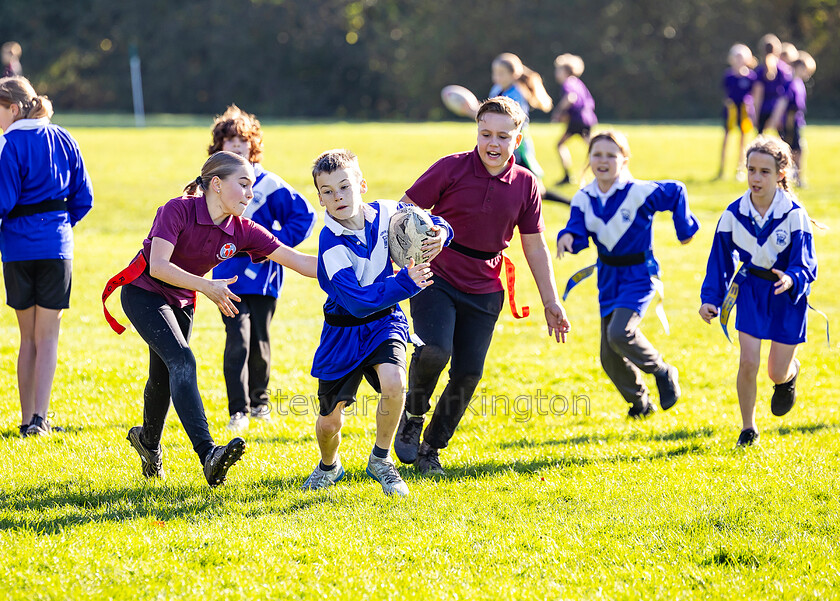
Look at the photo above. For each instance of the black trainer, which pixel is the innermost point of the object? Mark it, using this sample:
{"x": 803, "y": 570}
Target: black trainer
{"x": 39, "y": 426}
{"x": 784, "y": 395}
{"x": 407, "y": 440}
{"x": 23, "y": 428}
{"x": 669, "y": 387}
{"x": 428, "y": 461}
{"x": 220, "y": 460}
{"x": 746, "y": 438}
{"x": 641, "y": 411}
{"x": 151, "y": 461}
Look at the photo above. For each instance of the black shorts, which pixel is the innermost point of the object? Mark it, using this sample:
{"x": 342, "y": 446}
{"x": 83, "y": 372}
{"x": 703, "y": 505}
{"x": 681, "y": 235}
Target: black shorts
{"x": 578, "y": 128}
{"x": 41, "y": 282}
{"x": 332, "y": 392}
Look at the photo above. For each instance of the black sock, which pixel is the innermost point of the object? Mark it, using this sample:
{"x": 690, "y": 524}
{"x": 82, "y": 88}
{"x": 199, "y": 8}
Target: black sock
{"x": 326, "y": 468}
{"x": 380, "y": 452}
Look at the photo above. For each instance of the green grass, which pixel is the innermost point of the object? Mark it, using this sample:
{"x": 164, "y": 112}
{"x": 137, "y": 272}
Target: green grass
{"x": 535, "y": 506}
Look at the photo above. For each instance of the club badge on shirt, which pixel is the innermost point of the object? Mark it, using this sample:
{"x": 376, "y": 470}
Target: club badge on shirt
{"x": 227, "y": 251}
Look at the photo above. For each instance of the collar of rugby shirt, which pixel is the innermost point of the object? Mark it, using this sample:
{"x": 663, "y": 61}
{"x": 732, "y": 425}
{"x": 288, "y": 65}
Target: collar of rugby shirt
{"x": 592, "y": 189}
{"x": 480, "y": 170}
{"x": 339, "y": 230}
{"x": 202, "y": 216}
{"x": 28, "y": 124}
{"x": 780, "y": 205}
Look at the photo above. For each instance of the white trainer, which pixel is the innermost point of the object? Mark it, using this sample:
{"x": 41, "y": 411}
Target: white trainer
{"x": 238, "y": 422}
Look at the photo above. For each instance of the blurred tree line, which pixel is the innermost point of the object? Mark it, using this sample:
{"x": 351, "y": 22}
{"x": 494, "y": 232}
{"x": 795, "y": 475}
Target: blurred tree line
{"x": 368, "y": 59}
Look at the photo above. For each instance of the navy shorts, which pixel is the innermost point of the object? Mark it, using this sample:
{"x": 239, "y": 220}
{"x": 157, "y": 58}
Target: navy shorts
{"x": 41, "y": 282}
{"x": 332, "y": 392}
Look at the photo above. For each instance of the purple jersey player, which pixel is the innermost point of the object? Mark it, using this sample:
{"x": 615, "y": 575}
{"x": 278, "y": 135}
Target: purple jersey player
{"x": 738, "y": 110}
{"x": 576, "y": 107}
{"x": 793, "y": 124}
{"x": 773, "y": 77}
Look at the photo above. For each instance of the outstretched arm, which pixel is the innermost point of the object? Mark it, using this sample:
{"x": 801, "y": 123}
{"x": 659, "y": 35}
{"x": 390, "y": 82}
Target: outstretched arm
{"x": 539, "y": 261}
{"x": 302, "y": 263}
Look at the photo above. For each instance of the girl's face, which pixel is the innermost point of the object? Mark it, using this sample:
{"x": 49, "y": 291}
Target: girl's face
{"x": 502, "y": 76}
{"x": 762, "y": 177}
{"x": 8, "y": 115}
{"x": 238, "y": 145}
{"x": 236, "y": 190}
{"x": 737, "y": 61}
{"x": 561, "y": 74}
{"x": 607, "y": 161}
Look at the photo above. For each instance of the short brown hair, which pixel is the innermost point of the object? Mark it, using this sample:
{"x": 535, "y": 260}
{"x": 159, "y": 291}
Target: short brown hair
{"x": 236, "y": 122}
{"x": 502, "y": 105}
{"x": 333, "y": 160}
{"x": 17, "y": 90}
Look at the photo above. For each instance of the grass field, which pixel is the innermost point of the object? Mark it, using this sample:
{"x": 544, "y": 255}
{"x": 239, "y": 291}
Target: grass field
{"x": 574, "y": 504}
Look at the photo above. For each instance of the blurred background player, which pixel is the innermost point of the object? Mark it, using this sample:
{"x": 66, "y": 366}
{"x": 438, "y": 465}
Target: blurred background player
{"x": 770, "y": 232}
{"x": 576, "y": 108}
{"x": 793, "y": 123}
{"x": 773, "y": 78}
{"x": 738, "y": 109}
{"x": 44, "y": 191}
{"x": 288, "y": 215}
{"x": 514, "y": 80}
{"x": 10, "y": 54}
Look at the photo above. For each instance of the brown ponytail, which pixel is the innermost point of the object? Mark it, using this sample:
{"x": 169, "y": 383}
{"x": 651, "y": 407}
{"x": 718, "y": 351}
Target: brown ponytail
{"x": 18, "y": 91}
{"x": 529, "y": 82}
{"x": 220, "y": 164}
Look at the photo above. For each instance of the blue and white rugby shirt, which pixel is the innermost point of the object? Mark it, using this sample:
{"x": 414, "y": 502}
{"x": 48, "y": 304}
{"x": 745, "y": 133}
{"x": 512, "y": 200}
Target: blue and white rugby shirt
{"x": 782, "y": 240}
{"x": 40, "y": 161}
{"x": 620, "y": 223}
{"x": 357, "y": 274}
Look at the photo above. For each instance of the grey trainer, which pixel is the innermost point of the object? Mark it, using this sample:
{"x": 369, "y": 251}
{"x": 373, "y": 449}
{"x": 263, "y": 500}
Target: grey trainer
{"x": 151, "y": 461}
{"x": 319, "y": 479}
{"x": 385, "y": 472}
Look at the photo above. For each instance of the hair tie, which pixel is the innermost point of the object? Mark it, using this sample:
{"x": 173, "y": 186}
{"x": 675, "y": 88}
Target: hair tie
{"x": 198, "y": 182}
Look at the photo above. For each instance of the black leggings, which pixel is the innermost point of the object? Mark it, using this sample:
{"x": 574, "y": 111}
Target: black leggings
{"x": 172, "y": 371}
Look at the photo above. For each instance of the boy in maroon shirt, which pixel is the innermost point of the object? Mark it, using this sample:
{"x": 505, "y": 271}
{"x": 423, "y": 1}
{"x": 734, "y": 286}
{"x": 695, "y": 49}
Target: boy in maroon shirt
{"x": 483, "y": 195}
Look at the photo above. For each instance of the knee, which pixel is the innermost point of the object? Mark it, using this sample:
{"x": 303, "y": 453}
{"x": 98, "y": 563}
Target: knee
{"x": 778, "y": 373}
{"x": 182, "y": 365}
{"x": 392, "y": 381}
{"x": 431, "y": 357}
{"x": 466, "y": 382}
{"x": 748, "y": 367}
{"x": 618, "y": 336}
{"x": 330, "y": 425}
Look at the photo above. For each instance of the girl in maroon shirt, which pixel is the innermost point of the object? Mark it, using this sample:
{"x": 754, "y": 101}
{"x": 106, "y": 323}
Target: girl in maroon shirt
{"x": 191, "y": 235}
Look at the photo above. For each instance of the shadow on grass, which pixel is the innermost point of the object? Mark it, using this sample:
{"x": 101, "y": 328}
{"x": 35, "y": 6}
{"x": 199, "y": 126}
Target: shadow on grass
{"x": 596, "y": 438}
{"x": 785, "y": 430}
{"x": 55, "y": 507}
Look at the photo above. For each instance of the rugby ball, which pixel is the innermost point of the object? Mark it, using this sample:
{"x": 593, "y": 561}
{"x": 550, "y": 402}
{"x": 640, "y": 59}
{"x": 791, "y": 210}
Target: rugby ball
{"x": 408, "y": 229}
{"x": 459, "y": 100}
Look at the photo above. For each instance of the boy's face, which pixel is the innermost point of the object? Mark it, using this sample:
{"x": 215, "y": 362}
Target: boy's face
{"x": 340, "y": 193}
{"x": 561, "y": 74}
{"x": 238, "y": 145}
{"x": 498, "y": 137}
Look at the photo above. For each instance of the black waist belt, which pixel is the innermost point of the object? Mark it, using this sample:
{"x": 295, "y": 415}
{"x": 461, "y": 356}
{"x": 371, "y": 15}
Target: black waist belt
{"x": 471, "y": 252}
{"x": 622, "y": 260}
{"x": 764, "y": 274}
{"x": 45, "y": 206}
{"x": 348, "y": 321}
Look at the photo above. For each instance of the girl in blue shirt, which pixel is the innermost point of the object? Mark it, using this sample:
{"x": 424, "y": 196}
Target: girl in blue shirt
{"x": 770, "y": 233}
{"x": 44, "y": 191}
{"x": 617, "y": 211}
